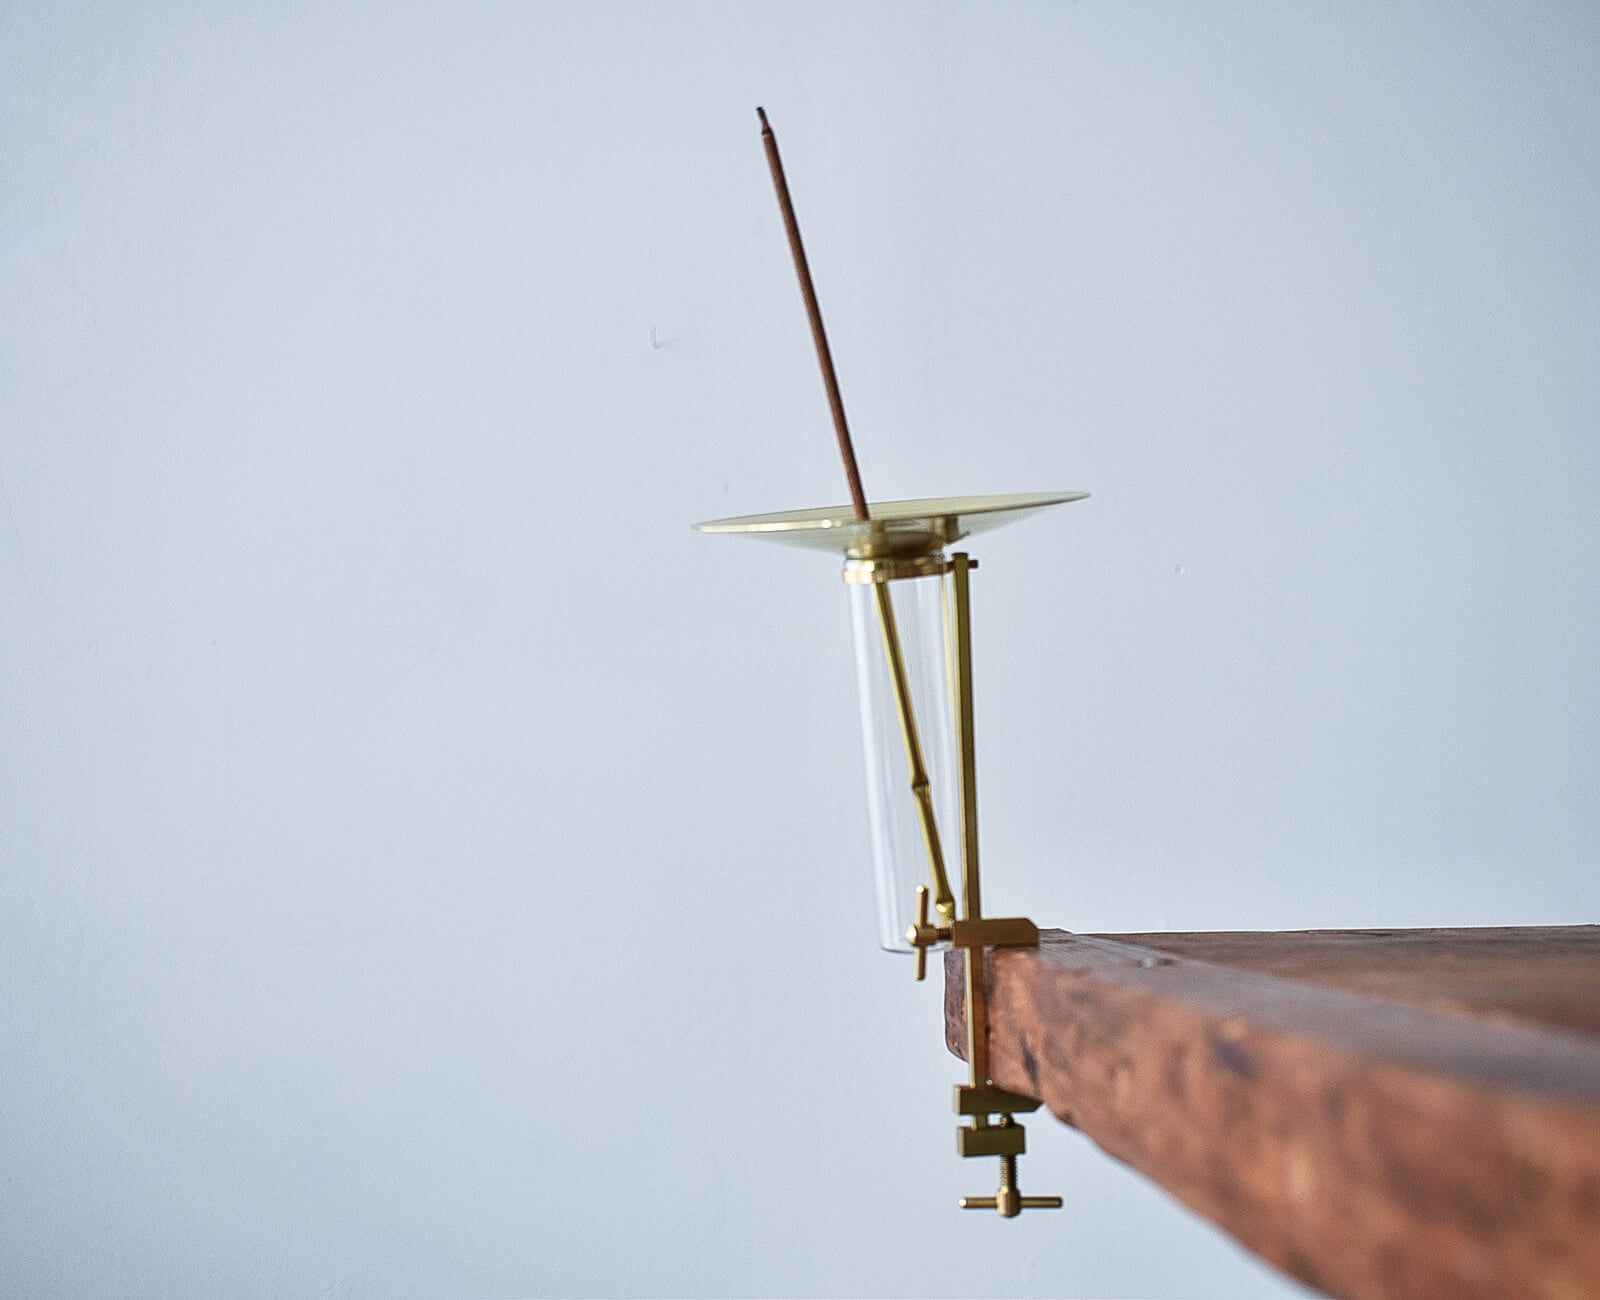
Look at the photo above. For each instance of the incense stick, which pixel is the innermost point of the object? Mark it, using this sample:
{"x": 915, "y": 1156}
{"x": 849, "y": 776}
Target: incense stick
{"x": 920, "y": 788}
{"x": 819, "y": 335}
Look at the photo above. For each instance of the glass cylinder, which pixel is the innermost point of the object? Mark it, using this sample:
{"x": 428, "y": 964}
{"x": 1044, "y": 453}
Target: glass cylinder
{"x": 916, "y": 622}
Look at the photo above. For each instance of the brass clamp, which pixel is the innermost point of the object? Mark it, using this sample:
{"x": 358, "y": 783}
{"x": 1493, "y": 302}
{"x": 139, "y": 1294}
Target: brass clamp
{"x": 1005, "y": 1139}
{"x": 1008, "y": 1198}
{"x": 981, "y": 932}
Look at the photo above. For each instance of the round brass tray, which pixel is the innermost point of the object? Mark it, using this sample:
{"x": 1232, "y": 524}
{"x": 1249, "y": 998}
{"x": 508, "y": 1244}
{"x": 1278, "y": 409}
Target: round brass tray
{"x": 896, "y": 528}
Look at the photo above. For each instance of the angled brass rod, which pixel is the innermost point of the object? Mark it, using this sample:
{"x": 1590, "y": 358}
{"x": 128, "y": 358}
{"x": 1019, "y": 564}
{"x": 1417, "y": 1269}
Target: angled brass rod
{"x": 942, "y": 897}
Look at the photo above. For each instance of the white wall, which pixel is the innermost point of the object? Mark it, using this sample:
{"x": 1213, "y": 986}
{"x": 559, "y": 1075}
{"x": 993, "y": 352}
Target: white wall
{"x": 429, "y": 868}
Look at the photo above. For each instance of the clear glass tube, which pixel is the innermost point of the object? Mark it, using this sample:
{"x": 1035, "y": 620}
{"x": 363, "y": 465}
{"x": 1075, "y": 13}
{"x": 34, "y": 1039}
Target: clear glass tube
{"x": 899, "y": 843}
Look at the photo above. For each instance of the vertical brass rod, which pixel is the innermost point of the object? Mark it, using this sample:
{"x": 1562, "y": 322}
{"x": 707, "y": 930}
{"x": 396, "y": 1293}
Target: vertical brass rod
{"x": 977, "y": 1016}
{"x": 943, "y": 899}
{"x": 971, "y": 897}
{"x": 819, "y": 335}
{"x": 972, "y": 903}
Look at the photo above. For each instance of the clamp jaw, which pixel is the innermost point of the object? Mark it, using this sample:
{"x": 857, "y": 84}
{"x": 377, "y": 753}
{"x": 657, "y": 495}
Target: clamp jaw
{"x": 980, "y": 1099}
{"x": 1006, "y": 1140}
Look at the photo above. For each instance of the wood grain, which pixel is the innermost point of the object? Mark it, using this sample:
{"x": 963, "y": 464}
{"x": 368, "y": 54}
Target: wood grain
{"x": 1378, "y": 1113}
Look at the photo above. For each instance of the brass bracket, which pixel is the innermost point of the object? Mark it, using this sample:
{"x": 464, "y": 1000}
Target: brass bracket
{"x": 994, "y": 932}
{"x": 974, "y": 933}
{"x": 978, "y": 932}
{"x": 987, "y": 1099}
{"x": 991, "y": 1140}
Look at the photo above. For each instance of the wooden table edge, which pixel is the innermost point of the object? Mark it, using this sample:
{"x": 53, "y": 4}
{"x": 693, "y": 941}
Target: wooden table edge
{"x": 1365, "y": 1147}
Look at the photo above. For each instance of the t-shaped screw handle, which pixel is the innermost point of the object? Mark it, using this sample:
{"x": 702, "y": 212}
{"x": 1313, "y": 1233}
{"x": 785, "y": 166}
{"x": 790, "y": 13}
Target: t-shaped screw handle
{"x": 922, "y": 935}
{"x": 1009, "y": 1200}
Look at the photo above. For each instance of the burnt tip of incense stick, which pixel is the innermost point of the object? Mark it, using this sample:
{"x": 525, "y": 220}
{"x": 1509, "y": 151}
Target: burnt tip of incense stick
{"x": 819, "y": 335}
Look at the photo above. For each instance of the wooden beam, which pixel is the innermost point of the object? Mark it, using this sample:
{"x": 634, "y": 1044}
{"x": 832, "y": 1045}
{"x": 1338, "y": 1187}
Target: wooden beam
{"x": 1378, "y": 1112}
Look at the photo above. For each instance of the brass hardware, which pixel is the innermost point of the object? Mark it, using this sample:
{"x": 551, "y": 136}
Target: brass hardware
{"x": 989, "y": 1100}
{"x": 974, "y": 934}
{"x": 906, "y": 539}
{"x": 995, "y": 932}
{"x": 961, "y": 616}
{"x": 1009, "y": 1199}
{"x": 942, "y": 898}
{"x": 996, "y": 1140}
{"x": 917, "y": 527}
{"x": 923, "y": 936}
{"x": 888, "y": 570}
